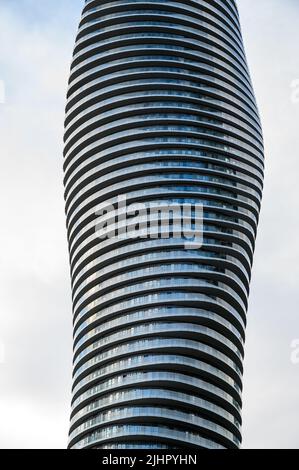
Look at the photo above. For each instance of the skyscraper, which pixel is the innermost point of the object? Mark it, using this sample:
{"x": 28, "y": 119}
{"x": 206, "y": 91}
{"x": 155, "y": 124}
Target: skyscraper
{"x": 160, "y": 113}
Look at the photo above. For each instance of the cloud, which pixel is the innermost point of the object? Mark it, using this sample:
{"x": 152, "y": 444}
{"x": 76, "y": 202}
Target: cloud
{"x": 36, "y": 41}
{"x": 271, "y": 381}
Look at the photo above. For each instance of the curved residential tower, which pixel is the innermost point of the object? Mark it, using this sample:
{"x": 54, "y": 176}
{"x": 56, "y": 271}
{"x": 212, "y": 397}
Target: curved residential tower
{"x": 163, "y": 184}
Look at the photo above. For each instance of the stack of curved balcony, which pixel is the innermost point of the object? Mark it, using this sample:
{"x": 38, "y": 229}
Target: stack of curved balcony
{"x": 160, "y": 109}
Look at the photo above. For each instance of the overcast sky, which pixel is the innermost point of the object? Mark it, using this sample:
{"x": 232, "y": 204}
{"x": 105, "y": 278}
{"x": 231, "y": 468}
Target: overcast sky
{"x": 36, "y": 41}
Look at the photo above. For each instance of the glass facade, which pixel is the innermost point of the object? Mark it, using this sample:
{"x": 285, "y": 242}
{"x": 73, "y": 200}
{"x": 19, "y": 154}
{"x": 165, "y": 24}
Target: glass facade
{"x": 160, "y": 109}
